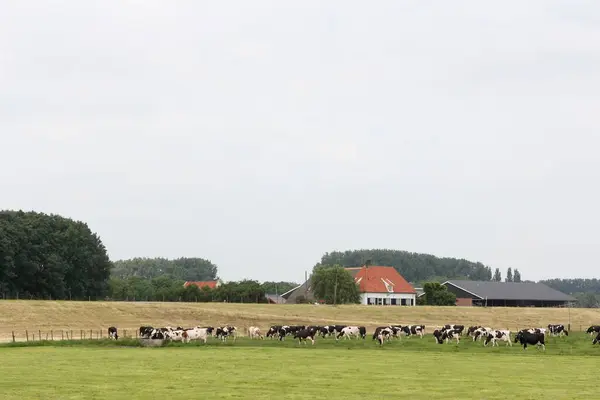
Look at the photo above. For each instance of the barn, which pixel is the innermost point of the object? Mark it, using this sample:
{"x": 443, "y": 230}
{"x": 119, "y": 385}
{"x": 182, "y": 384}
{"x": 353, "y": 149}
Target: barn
{"x": 506, "y": 294}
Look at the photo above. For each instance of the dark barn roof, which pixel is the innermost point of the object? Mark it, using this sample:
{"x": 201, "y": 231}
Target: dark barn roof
{"x": 510, "y": 290}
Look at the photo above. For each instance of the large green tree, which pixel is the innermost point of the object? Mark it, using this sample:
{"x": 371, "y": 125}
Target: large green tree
{"x": 187, "y": 269}
{"x": 517, "y": 276}
{"x": 437, "y": 294}
{"x": 509, "y": 275}
{"x": 414, "y": 267}
{"x": 497, "y": 275}
{"x": 50, "y": 257}
{"x": 334, "y": 285}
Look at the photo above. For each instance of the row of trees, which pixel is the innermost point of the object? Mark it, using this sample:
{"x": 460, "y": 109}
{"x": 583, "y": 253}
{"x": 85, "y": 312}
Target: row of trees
{"x": 509, "y": 276}
{"x": 165, "y": 288}
{"x": 187, "y": 269}
{"x": 49, "y": 256}
{"x": 414, "y": 267}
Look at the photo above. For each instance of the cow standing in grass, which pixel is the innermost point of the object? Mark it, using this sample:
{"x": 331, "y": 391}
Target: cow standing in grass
{"x": 304, "y": 334}
{"x": 495, "y": 335}
{"x": 112, "y": 333}
{"x": 254, "y": 332}
{"x": 593, "y": 330}
{"x": 348, "y": 331}
{"x": 597, "y": 339}
{"x": 196, "y": 333}
{"x": 146, "y": 331}
{"x": 525, "y": 337}
{"x": 557, "y": 330}
{"x": 411, "y": 330}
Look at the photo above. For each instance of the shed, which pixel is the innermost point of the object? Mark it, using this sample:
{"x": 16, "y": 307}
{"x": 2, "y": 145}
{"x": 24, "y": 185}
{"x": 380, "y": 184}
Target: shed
{"x": 506, "y": 294}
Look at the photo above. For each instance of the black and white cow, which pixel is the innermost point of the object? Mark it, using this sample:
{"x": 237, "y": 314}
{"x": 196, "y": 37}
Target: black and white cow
{"x": 146, "y": 331}
{"x": 410, "y": 330}
{"x": 396, "y": 330}
{"x": 471, "y": 330}
{"x": 525, "y": 337}
{"x": 593, "y": 330}
{"x": 456, "y": 328}
{"x": 157, "y": 334}
{"x": 355, "y": 331}
{"x": 495, "y": 335}
{"x": 481, "y": 332}
{"x": 323, "y": 331}
{"x": 112, "y": 333}
{"x": 315, "y": 328}
{"x": 437, "y": 335}
{"x": 557, "y": 330}
{"x": 597, "y": 340}
{"x": 273, "y": 331}
{"x": 384, "y": 331}
{"x": 224, "y": 332}
{"x": 284, "y": 331}
{"x": 536, "y": 330}
{"x": 449, "y": 334}
{"x": 304, "y": 334}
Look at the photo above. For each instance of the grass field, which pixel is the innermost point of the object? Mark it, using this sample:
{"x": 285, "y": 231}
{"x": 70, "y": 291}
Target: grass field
{"x": 353, "y": 369}
{"x": 19, "y": 315}
{"x": 256, "y": 369}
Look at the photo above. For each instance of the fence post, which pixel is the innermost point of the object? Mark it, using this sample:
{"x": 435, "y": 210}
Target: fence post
{"x": 52, "y": 334}
{"x": 71, "y": 335}
{"x": 62, "y": 335}
{"x": 125, "y": 333}
{"x": 27, "y": 335}
{"x": 40, "y": 334}
{"x": 46, "y": 335}
{"x": 81, "y": 334}
{"x": 91, "y": 335}
{"x": 33, "y": 337}
{"x": 13, "y": 335}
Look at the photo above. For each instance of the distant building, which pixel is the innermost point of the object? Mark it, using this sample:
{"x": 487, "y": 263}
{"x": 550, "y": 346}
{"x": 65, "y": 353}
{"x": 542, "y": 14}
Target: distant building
{"x": 201, "y": 284}
{"x": 506, "y": 294}
{"x": 300, "y": 294}
{"x": 275, "y": 299}
{"x": 378, "y": 285}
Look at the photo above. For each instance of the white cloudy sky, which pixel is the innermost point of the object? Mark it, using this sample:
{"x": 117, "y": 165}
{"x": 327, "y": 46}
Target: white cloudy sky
{"x": 261, "y": 134}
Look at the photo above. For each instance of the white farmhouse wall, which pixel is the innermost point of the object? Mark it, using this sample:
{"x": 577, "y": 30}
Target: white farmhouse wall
{"x": 386, "y": 298}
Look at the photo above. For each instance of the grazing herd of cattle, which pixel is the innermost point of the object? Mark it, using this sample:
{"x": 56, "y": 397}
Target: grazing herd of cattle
{"x": 447, "y": 333}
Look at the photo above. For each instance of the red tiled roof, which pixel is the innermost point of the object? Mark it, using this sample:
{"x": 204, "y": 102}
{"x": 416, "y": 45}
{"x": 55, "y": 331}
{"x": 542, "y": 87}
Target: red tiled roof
{"x": 200, "y": 284}
{"x": 377, "y": 279}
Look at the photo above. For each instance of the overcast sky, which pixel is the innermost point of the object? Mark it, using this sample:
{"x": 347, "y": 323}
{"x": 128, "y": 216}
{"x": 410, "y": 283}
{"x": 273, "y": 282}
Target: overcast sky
{"x": 262, "y": 134}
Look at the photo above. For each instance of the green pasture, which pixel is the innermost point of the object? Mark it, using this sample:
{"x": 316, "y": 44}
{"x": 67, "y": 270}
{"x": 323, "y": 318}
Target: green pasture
{"x": 255, "y": 369}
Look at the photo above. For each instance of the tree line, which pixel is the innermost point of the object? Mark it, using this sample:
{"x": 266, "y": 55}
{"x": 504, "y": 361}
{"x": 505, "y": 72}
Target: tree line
{"x": 414, "y": 267}
{"x": 47, "y": 256}
{"x": 168, "y": 288}
{"x": 50, "y": 257}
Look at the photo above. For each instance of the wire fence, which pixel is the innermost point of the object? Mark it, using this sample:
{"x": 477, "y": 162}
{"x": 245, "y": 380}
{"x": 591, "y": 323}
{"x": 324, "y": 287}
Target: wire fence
{"x": 68, "y": 334}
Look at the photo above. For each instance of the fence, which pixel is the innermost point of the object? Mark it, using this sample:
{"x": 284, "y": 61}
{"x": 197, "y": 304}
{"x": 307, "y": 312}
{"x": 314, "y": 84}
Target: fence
{"x": 68, "y": 334}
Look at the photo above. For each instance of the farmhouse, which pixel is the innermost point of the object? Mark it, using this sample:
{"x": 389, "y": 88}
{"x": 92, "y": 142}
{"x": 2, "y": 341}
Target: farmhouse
{"x": 201, "y": 284}
{"x": 506, "y": 294}
{"x": 378, "y": 285}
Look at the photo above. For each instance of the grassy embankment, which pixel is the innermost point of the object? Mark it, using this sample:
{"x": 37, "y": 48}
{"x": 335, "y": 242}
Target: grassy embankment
{"x": 45, "y": 316}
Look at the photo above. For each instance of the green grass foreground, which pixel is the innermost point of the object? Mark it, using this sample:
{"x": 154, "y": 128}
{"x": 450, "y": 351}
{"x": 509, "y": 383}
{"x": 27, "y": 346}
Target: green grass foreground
{"x": 101, "y": 369}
